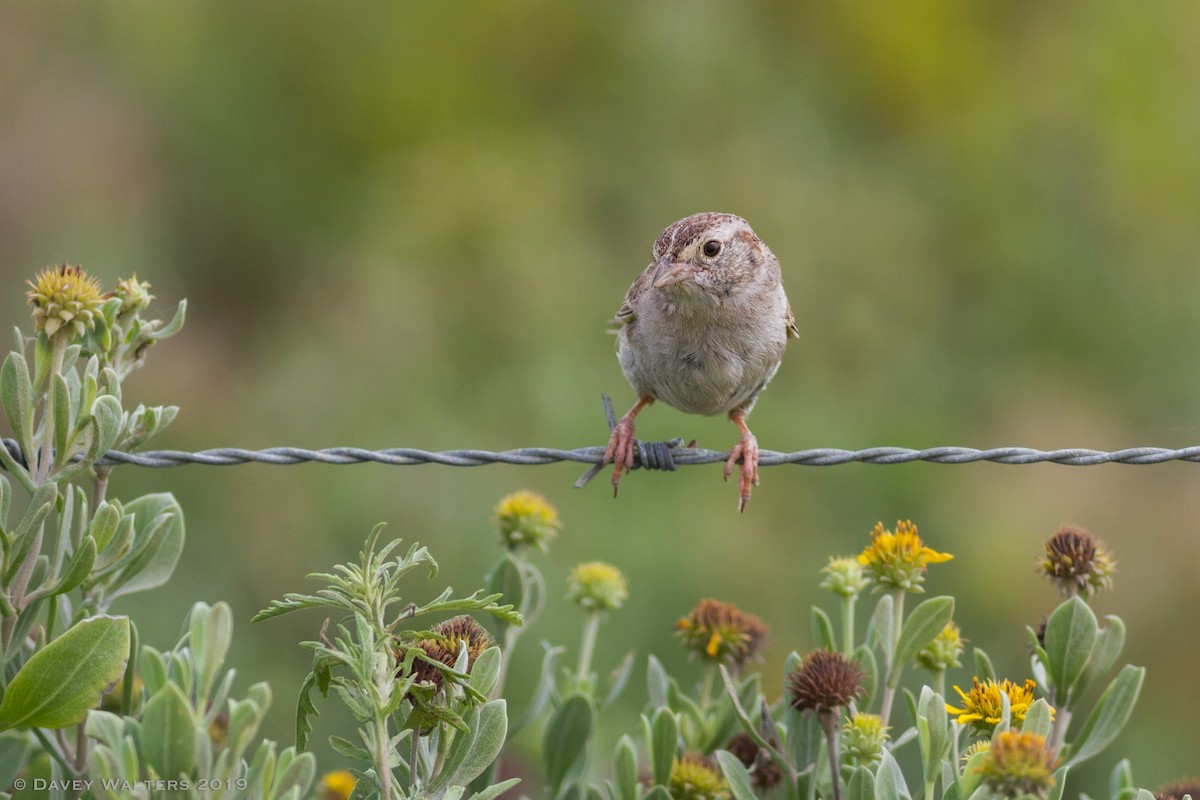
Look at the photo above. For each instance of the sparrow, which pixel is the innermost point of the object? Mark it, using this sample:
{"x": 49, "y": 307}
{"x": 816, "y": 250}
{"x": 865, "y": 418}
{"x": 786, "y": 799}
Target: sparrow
{"x": 703, "y": 329}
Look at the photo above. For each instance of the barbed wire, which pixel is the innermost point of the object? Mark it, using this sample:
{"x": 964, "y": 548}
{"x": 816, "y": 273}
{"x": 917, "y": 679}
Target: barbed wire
{"x": 668, "y": 455}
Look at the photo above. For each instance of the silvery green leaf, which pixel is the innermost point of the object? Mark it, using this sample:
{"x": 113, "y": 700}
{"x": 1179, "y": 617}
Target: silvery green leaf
{"x": 1060, "y": 783}
{"x": 15, "y": 750}
{"x": 1071, "y": 632}
{"x": 59, "y": 683}
{"x": 304, "y": 710}
{"x": 564, "y": 745}
{"x": 78, "y": 568}
{"x": 210, "y": 630}
{"x": 625, "y": 769}
{"x": 1105, "y": 652}
{"x": 658, "y": 684}
{"x": 62, "y": 419}
{"x": 1109, "y": 716}
{"x": 883, "y": 621}
{"x": 983, "y": 665}
{"x": 153, "y": 669}
{"x": 861, "y": 785}
{"x": 618, "y": 679}
{"x": 889, "y": 780}
{"x": 294, "y": 773}
{"x": 16, "y": 395}
{"x": 1121, "y": 778}
{"x": 663, "y": 741}
{"x": 486, "y": 670}
{"x": 866, "y": 659}
{"x": 245, "y": 717}
{"x": 1037, "y": 719}
{"x": 488, "y": 739}
{"x": 722, "y": 720}
{"x": 541, "y": 694}
{"x": 458, "y": 751}
{"x": 924, "y": 624}
{"x": 495, "y": 790}
{"x": 349, "y": 749}
{"x": 40, "y": 506}
{"x": 168, "y": 739}
{"x": 657, "y": 793}
{"x": 822, "y": 630}
{"x": 173, "y": 327}
{"x": 104, "y": 525}
{"x": 736, "y": 775}
{"x": 933, "y": 728}
{"x": 157, "y": 542}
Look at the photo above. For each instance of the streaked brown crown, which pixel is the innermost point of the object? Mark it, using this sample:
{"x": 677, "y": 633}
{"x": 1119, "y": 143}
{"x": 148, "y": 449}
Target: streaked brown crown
{"x": 679, "y": 235}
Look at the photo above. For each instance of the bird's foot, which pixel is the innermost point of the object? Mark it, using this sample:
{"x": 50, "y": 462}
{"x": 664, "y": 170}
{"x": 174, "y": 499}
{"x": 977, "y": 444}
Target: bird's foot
{"x": 747, "y": 451}
{"x": 620, "y": 450}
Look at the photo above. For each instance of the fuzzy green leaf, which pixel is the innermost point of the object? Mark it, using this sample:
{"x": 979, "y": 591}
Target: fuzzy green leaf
{"x": 1070, "y": 634}
{"x": 983, "y": 665}
{"x": 62, "y": 419}
{"x": 16, "y": 395}
{"x": 663, "y": 741}
{"x": 861, "y": 785}
{"x": 488, "y": 739}
{"x": 564, "y": 745}
{"x": 60, "y": 682}
{"x": 736, "y": 774}
{"x": 1109, "y": 716}
{"x": 1105, "y": 652}
{"x": 1037, "y": 719}
{"x": 78, "y": 568}
{"x": 625, "y": 769}
{"x": 924, "y": 623}
{"x": 158, "y": 540}
{"x": 495, "y": 790}
{"x": 822, "y": 630}
{"x": 889, "y": 780}
{"x": 168, "y": 733}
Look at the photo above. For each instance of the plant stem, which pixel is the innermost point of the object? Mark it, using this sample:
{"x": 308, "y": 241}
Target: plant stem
{"x": 848, "y": 604}
{"x": 1058, "y": 734}
{"x": 889, "y": 656}
{"x": 591, "y": 627}
{"x": 939, "y": 683}
{"x": 383, "y": 772}
{"x": 710, "y": 671}
{"x": 829, "y": 723}
{"x": 46, "y": 454}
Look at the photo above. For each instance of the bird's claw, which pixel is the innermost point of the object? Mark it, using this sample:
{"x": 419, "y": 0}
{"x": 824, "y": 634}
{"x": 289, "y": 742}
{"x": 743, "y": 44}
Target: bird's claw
{"x": 747, "y": 451}
{"x": 620, "y": 450}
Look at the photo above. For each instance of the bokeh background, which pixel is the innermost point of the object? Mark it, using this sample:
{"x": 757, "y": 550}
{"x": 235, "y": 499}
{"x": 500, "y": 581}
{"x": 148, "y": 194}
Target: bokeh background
{"x": 407, "y": 224}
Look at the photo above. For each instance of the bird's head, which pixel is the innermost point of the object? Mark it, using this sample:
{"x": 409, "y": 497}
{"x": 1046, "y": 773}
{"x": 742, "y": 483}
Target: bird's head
{"x": 711, "y": 253}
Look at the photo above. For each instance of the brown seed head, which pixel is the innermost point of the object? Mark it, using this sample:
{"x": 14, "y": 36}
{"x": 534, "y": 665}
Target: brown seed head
{"x": 825, "y": 680}
{"x": 718, "y": 631}
{"x": 764, "y": 772}
{"x": 1077, "y": 562}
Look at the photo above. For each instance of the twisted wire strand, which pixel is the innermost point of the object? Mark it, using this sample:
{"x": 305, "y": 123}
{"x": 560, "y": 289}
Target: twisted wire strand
{"x": 681, "y": 456}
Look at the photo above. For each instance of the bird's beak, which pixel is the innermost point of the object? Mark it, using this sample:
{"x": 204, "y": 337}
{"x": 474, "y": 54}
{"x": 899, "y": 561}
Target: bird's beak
{"x": 671, "y": 273}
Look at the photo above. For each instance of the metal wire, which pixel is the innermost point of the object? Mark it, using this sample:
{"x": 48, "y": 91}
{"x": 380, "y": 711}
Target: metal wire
{"x": 682, "y": 456}
{"x": 667, "y": 455}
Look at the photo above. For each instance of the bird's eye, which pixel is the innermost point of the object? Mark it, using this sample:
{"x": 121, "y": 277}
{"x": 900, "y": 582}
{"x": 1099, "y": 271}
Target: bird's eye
{"x": 711, "y": 248}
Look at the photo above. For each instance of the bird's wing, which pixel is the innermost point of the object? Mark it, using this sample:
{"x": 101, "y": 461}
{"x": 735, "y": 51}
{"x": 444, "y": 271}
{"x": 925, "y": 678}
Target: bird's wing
{"x": 626, "y": 312}
{"x": 790, "y": 322}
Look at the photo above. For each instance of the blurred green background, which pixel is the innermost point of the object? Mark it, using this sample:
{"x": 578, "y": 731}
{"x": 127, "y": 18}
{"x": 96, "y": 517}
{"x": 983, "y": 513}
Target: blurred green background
{"x": 407, "y": 224}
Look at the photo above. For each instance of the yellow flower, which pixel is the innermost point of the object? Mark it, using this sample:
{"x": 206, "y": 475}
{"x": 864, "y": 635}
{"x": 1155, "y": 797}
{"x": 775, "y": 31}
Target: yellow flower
{"x": 1018, "y": 764}
{"x": 597, "y": 585}
{"x": 525, "y": 518}
{"x": 899, "y": 560}
{"x": 983, "y": 706}
{"x": 694, "y": 778}
{"x": 721, "y": 632}
{"x": 337, "y": 785}
{"x": 64, "y": 298}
